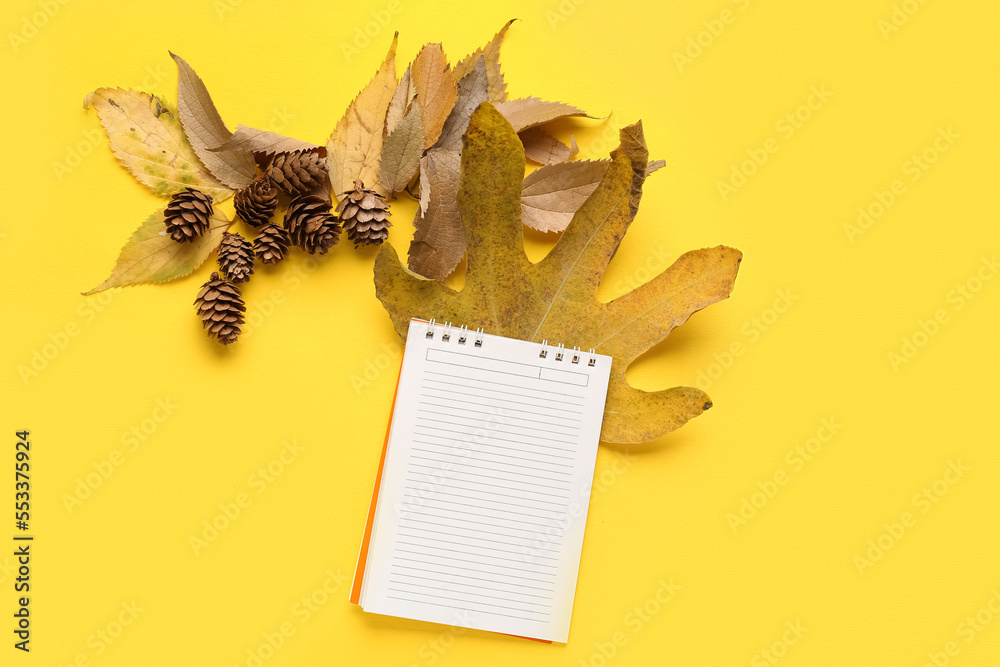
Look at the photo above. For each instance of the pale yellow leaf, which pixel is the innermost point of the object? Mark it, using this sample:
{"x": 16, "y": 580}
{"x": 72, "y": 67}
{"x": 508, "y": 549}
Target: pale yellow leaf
{"x": 551, "y": 195}
{"x": 147, "y": 138}
{"x": 436, "y": 89}
{"x": 401, "y": 152}
{"x": 354, "y": 146}
{"x": 497, "y": 87}
{"x": 472, "y": 91}
{"x": 206, "y": 131}
{"x": 402, "y": 98}
{"x": 527, "y": 112}
{"x": 252, "y": 140}
{"x": 542, "y": 148}
{"x": 151, "y": 256}
{"x": 438, "y": 237}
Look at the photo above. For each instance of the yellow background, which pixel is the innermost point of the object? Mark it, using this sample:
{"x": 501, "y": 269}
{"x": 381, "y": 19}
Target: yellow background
{"x": 660, "y": 513}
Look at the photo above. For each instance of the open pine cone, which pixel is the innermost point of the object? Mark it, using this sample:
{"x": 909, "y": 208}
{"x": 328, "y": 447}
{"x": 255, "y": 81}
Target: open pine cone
{"x": 187, "y": 215}
{"x": 364, "y": 213}
{"x": 256, "y": 202}
{"x": 221, "y": 309}
{"x": 310, "y": 224}
{"x": 297, "y": 173}
{"x": 236, "y": 258}
{"x": 271, "y": 244}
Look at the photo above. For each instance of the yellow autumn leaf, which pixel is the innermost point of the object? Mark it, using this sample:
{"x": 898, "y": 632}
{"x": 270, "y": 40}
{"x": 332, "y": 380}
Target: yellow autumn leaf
{"x": 354, "y": 146}
{"x": 151, "y": 256}
{"x": 147, "y": 138}
{"x": 436, "y": 89}
{"x": 556, "y": 298}
{"x": 490, "y": 53}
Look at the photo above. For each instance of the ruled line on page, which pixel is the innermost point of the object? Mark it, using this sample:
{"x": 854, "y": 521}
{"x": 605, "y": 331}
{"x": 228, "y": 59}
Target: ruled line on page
{"x": 548, "y": 392}
{"x": 525, "y": 533}
{"x": 474, "y": 546}
{"x": 494, "y": 413}
{"x": 467, "y": 576}
{"x": 467, "y": 434}
{"x": 451, "y": 606}
{"x": 396, "y": 580}
{"x": 447, "y": 397}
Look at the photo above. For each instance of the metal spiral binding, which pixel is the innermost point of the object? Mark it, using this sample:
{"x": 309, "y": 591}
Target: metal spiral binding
{"x": 446, "y": 336}
{"x": 593, "y": 360}
{"x": 430, "y": 328}
{"x": 576, "y": 355}
{"x": 559, "y": 352}
{"x": 463, "y": 335}
{"x": 479, "y": 337}
{"x": 543, "y": 352}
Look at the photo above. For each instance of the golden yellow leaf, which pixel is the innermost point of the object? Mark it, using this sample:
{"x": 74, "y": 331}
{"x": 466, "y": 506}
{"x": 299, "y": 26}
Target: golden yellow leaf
{"x": 497, "y": 87}
{"x": 205, "y": 130}
{"x": 435, "y": 88}
{"x": 401, "y": 151}
{"x": 527, "y": 112}
{"x": 556, "y": 298}
{"x": 151, "y": 256}
{"x": 354, "y": 146}
{"x": 147, "y": 138}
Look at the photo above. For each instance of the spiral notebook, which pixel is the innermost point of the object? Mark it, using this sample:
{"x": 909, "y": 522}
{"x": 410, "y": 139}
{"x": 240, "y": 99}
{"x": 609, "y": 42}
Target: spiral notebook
{"x": 480, "y": 501}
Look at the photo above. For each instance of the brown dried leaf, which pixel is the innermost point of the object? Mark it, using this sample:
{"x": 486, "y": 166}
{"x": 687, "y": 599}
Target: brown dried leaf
{"x": 151, "y": 256}
{"x": 497, "y": 87}
{"x": 556, "y": 299}
{"x": 354, "y": 146}
{"x": 436, "y": 89}
{"x": 206, "y": 131}
{"x": 401, "y": 152}
{"x": 542, "y": 148}
{"x": 551, "y": 195}
{"x": 633, "y": 144}
{"x": 654, "y": 165}
{"x": 472, "y": 91}
{"x": 147, "y": 138}
{"x": 438, "y": 237}
{"x": 402, "y": 98}
{"x": 527, "y": 112}
{"x": 251, "y": 140}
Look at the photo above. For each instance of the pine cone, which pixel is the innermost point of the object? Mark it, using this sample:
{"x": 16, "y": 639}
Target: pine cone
{"x": 363, "y": 213}
{"x": 256, "y": 202}
{"x": 221, "y": 309}
{"x": 297, "y": 173}
{"x": 187, "y": 215}
{"x": 236, "y": 258}
{"x": 310, "y": 224}
{"x": 271, "y": 244}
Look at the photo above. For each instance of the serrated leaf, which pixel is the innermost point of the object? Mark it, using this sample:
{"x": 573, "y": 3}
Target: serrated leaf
{"x": 205, "y": 130}
{"x": 435, "y": 88}
{"x": 401, "y": 152}
{"x": 472, "y": 91}
{"x": 527, "y": 112}
{"x": 556, "y": 298}
{"x": 249, "y": 140}
{"x": 542, "y": 148}
{"x": 551, "y": 195}
{"x": 151, "y": 256}
{"x": 354, "y": 146}
{"x": 497, "y": 87}
{"x": 399, "y": 106}
{"x": 147, "y": 138}
{"x": 438, "y": 238}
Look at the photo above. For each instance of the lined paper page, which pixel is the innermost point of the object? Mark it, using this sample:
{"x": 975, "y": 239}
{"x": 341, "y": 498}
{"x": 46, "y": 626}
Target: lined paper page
{"x": 484, "y": 493}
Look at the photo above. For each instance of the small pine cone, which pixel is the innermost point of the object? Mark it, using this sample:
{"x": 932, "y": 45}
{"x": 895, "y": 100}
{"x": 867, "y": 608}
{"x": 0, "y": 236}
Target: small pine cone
{"x": 187, "y": 215}
{"x": 271, "y": 244}
{"x": 236, "y": 258}
{"x": 256, "y": 202}
{"x": 310, "y": 224}
{"x": 363, "y": 213}
{"x": 297, "y": 173}
{"x": 221, "y": 309}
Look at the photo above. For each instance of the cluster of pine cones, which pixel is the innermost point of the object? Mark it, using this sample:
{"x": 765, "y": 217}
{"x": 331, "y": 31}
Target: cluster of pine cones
{"x": 309, "y": 223}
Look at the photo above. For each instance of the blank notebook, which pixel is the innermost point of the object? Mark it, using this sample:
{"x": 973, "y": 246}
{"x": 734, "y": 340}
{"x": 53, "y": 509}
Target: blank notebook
{"x": 480, "y": 502}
